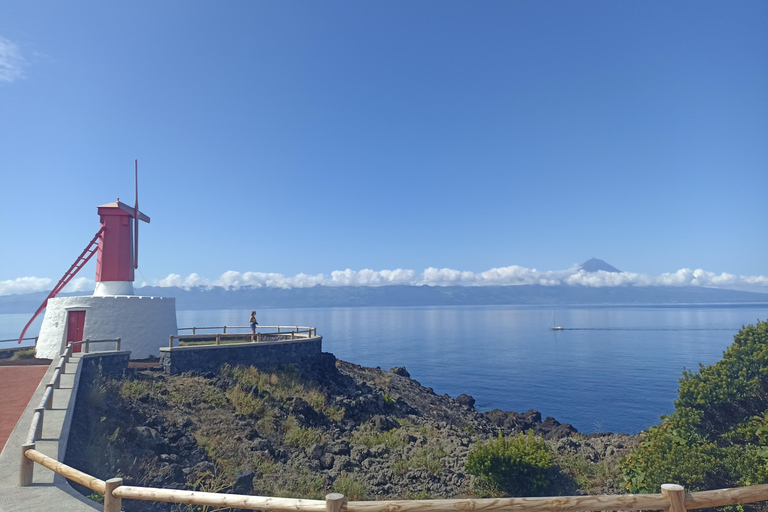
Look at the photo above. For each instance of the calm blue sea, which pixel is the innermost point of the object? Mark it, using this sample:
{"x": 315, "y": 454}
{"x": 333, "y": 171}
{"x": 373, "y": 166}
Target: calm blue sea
{"x": 613, "y": 368}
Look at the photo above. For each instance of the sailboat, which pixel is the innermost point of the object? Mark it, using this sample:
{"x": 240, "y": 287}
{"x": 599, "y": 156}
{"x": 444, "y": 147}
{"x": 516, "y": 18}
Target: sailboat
{"x": 555, "y": 327}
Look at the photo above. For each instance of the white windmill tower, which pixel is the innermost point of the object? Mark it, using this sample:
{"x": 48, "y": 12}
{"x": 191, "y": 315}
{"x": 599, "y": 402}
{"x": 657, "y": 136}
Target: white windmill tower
{"x": 142, "y": 323}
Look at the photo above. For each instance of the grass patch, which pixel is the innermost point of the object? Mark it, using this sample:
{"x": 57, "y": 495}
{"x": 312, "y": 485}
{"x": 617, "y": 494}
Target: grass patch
{"x": 134, "y": 389}
{"x": 591, "y": 477}
{"x": 427, "y": 457}
{"x": 244, "y": 402}
{"x": 395, "y": 438}
{"x": 27, "y": 353}
{"x": 351, "y": 488}
{"x": 296, "y": 435}
{"x": 283, "y": 385}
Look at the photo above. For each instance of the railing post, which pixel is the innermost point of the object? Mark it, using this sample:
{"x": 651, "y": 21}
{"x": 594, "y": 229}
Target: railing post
{"x": 293, "y": 335}
{"x": 225, "y": 329}
{"x": 39, "y": 430}
{"x": 193, "y": 330}
{"x": 36, "y": 340}
{"x": 87, "y": 346}
{"x": 333, "y": 502}
{"x": 218, "y": 339}
{"x": 676, "y": 496}
{"x": 258, "y": 337}
{"x": 118, "y": 344}
{"x": 49, "y": 402}
{"x": 57, "y": 380}
{"x": 27, "y": 466}
{"x": 170, "y": 343}
{"x": 112, "y": 503}
{"x": 63, "y": 363}
{"x": 278, "y": 329}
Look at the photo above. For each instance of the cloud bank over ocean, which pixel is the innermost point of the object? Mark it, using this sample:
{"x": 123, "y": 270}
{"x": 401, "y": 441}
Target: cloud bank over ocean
{"x": 504, "y": 276}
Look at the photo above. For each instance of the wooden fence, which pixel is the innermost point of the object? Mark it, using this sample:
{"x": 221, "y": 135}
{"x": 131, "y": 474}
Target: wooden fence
{"x": 672, "y": 498}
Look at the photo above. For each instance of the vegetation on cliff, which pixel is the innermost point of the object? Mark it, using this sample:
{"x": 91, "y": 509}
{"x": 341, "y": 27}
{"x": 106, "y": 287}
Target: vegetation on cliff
{"x": 717, "y": 435}
{"x": 323, "y": 425}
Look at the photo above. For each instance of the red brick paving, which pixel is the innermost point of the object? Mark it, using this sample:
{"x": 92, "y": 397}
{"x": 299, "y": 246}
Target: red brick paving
{"x": 17, "y": 385}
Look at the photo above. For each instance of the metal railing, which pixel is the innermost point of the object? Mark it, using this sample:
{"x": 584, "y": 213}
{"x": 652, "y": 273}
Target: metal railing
{"x": 281, "y": 333}
{"x": 16, "y": 340}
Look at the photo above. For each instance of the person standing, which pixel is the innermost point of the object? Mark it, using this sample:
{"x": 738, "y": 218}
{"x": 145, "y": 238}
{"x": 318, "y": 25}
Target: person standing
{"x": 254, "y": 323}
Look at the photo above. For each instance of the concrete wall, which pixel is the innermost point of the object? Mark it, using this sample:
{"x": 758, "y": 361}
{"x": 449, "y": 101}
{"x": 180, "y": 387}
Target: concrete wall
{"x": 143, "y": 323}
{"x": 210, "y": 357}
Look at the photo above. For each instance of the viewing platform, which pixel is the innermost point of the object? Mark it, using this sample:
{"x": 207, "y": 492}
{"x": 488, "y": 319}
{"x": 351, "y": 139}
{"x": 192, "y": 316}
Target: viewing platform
{"x": 207, "y": 351}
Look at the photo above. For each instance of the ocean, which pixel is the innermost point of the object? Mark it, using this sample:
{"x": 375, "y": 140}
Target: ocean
{"x": 611, "y": 369}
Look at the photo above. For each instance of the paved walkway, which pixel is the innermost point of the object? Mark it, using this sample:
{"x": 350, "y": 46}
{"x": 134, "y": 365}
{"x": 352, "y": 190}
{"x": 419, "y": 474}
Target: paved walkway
{"x": 17, "y": 384}
{"x": 49, "y": 491}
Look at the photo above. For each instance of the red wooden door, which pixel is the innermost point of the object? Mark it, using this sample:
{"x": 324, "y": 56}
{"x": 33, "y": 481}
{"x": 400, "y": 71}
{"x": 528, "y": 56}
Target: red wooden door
{"x": 75, "y": 324}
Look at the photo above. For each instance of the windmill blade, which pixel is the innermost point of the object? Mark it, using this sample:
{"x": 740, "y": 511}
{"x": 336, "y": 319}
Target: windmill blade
{"x": 136, "y": 215}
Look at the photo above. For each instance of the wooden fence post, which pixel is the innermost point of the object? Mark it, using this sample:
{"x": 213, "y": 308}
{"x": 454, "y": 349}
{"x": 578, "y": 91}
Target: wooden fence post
{"x": 258, "y": 337}
{"x": 333, "y": 502}
{"x": 193, "y": 330}
{"x": 39, "y": 431}
{"x": 112, "y": 503}
{"x": 218, "y": 339}
{"x": 225, "y": 329}
{"x": 27, "y": 466}
{"x": 170, "y": 343}
{"x": 118, "y": 344}
{"x": 676, "y": 496}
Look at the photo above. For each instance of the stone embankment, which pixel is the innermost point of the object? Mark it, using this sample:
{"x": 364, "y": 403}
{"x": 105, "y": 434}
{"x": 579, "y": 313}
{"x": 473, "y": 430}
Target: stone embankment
{"x": 325, "y": 425}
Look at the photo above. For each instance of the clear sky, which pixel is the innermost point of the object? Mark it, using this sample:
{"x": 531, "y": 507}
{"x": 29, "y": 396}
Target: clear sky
{"x": 304, "y": 137}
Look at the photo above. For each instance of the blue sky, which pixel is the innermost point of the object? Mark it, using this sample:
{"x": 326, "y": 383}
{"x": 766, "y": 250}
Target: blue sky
{"x": 303, "y": 138}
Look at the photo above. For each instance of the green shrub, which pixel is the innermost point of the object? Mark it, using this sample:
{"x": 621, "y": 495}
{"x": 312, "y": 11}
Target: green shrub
{"x": 717, "y": 435}
{"x": 27, "y": 353}
{"x": 516, "y": 465}
{"x": 351, "y": 488}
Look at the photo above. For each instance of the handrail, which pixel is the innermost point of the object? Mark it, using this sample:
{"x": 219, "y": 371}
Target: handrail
{"x": 672, "y": 498}
{"x": 294, "y": 331}
{"x": 22, "y": 339}
{"x": 224, "y": 328}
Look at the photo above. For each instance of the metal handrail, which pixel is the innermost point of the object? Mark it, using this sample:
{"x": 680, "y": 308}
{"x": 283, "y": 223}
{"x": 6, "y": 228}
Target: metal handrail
{"x": 22, "y": 339}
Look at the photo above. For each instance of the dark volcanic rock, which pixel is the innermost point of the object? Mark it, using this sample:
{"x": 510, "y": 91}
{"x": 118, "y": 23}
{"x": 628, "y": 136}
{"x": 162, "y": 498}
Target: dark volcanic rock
{"x": 400, "y": 370}
{"x": 465, "y": 400}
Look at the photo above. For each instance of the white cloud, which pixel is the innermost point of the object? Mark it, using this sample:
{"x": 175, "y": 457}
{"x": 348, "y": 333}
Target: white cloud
{"x": 504, "y": 276}
{"x": 80, "y": 284}
{"x": 11, "y": 61}
{"x": 25, "y": 285}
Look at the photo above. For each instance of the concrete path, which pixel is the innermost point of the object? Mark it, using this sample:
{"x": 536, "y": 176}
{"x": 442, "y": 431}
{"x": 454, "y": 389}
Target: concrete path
{"x": 49, "y": 491}
{"x": 17, "y": 384}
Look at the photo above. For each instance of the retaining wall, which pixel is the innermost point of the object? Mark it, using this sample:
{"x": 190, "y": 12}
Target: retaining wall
{"x": 261, "y": 355}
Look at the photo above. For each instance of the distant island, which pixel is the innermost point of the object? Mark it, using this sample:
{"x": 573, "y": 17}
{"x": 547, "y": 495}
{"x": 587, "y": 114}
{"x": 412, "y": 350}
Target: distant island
{"x": 396, "y": 295}
{"x": 217, "y": 297}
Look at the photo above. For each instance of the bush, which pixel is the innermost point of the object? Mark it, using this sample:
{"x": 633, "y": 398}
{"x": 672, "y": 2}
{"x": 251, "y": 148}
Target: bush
{"x": 718, "y": 434}
{"x": 516, "y": 465}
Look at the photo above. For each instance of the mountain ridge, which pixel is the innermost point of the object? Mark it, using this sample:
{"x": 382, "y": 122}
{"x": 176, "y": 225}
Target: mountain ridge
{"x": 414, "y": 296}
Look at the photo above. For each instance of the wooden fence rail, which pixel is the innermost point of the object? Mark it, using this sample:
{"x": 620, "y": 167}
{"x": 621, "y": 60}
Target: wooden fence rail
{"x": 672, "y": 498}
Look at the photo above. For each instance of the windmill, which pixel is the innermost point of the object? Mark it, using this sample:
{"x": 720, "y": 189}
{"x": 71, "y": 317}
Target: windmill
{"x": 116, "y": 244}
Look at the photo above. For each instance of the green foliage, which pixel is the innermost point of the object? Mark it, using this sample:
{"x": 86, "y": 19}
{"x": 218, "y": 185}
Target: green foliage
{"x": 27, "y": 353}
{"x": 302, "y": 436}
{"x": 394, "y": 438}
{"x": 590, "y": 477}
{"x": 351, "y": 488}
{"x": 718, "y": 434}
{"x": 516, "y": 465}
{"x": 283, "y": 385}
